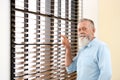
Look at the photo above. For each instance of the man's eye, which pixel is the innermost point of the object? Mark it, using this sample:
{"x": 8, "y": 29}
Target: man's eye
{"x": 83, "y": 29}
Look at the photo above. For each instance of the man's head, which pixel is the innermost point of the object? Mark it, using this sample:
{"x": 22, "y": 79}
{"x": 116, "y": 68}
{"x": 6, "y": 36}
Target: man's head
{"x": 86, "y": 30}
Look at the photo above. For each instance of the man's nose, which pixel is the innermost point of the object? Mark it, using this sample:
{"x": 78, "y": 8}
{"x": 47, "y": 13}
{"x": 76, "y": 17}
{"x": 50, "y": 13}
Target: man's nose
{"x": 81, "y": 32}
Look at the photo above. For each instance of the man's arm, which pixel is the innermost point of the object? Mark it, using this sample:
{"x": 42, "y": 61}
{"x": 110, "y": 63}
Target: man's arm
{"x": 104, "y": 64}
{"x": 68, "y": 56}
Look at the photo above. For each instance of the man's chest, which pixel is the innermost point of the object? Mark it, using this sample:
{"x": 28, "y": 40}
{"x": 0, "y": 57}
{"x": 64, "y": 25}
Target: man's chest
{"x": 87, "y": 57}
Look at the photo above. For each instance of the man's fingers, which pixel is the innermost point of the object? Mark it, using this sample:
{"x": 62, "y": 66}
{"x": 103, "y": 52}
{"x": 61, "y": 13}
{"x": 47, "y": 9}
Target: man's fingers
{"x": 64, "y": 40}
{"x": 63, "y": 36}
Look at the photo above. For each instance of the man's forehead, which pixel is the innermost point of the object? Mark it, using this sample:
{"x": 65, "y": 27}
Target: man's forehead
{"x": 84, "y": 23}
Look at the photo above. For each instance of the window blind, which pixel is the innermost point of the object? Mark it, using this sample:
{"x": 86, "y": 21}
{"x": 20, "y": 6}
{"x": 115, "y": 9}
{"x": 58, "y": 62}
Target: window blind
{"x": 36, "y": 28}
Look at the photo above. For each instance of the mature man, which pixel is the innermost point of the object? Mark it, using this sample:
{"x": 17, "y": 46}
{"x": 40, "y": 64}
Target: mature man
{"x": 93, "y": 59}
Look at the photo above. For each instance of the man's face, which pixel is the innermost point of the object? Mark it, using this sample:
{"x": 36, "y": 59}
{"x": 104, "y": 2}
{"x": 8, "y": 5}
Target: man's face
{"x": 85, "y": 30}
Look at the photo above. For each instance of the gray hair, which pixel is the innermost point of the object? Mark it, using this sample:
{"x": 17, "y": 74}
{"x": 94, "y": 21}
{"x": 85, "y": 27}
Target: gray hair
{"x": 85, "y": 19}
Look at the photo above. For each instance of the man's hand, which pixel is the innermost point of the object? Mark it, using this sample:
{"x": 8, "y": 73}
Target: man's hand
{"x": 68, "y": 56}
{"x": 65, "y": 41}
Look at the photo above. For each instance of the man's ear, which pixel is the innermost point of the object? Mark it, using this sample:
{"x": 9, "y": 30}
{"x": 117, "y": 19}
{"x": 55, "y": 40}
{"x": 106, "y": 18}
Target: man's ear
{"x": 94, "y": 30}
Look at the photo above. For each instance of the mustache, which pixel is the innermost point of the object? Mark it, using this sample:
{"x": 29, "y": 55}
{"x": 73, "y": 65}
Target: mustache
{"x": 82, "y": 35}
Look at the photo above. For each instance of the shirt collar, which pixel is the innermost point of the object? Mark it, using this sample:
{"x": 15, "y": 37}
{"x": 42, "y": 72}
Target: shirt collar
{"x": 91, "y": 42}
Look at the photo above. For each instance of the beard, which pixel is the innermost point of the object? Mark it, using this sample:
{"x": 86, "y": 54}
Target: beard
{"x": 84, "y": 41}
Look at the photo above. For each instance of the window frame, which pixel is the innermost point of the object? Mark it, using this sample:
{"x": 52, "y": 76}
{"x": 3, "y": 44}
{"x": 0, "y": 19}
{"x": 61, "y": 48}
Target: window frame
{"x": 71, "y": 34}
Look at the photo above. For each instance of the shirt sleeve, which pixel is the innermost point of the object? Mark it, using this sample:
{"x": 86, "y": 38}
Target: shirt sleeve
{"x": 104, "y": 63}
{"x": 72, "y": 67}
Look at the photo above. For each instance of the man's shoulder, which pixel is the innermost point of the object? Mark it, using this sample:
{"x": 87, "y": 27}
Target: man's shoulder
{"x": 99, "y": 43}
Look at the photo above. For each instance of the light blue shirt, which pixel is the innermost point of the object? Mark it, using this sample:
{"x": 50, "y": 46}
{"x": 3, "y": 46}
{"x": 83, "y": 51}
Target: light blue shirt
{"x": 92, "y": 62}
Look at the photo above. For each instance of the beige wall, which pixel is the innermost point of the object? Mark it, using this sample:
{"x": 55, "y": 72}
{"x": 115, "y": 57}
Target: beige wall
{"x": 109, "y": 31}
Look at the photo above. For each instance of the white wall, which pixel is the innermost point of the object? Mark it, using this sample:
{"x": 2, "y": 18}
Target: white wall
{"x": 4, "y": 40}
{"x": 90, "y": 10}
{"x": 109, "y": 30}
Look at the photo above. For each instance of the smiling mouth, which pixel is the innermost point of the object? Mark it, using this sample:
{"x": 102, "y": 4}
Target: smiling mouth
{"x": 82, "y": 35}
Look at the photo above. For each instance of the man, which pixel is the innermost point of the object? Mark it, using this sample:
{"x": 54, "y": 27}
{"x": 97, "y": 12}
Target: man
{"x": 93, "y": 59}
